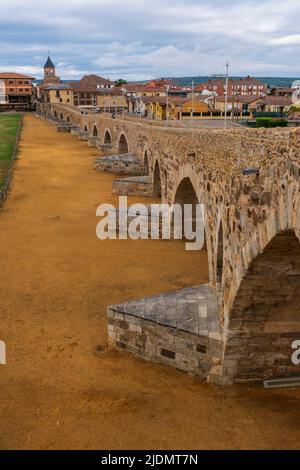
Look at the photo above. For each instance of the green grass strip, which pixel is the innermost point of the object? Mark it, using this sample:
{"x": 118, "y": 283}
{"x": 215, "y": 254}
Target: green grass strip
{"x": 9, "y": 127}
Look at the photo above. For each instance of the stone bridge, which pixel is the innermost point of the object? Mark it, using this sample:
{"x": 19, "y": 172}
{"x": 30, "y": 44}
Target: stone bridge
{"x": 241, "y": 326}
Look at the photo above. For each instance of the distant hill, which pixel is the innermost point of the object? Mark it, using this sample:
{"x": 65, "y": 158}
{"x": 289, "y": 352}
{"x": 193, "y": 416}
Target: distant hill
{"x": 271, "y": 81}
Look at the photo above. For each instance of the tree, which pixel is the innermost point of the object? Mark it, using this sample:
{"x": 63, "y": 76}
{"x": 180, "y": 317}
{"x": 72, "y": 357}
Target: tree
{"x": 120, "y": 82}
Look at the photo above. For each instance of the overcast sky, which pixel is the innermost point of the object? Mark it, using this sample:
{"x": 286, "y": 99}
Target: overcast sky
{"x": 141, "y": 39}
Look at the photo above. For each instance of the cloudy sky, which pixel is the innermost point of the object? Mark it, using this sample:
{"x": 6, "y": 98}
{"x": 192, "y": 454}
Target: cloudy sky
{"x": 141, "y": 39}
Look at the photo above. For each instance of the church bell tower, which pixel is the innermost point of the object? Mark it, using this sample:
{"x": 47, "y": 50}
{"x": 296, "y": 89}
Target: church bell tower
{"x": 49, "y": 73}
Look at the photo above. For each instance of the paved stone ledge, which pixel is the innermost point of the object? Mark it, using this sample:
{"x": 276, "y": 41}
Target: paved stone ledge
{"x": 180, "y": 329}
{"x": 135, "y": 185}
{"x": 126, "y": 164}
{"x": 65, "y": 129}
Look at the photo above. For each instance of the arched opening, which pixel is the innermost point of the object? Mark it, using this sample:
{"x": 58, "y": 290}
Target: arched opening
{"x": 61, "y": 116}
{"x": 55, "y": 113}
{"x": 186, "y": 195}
{"x": 219, "y": 264}
{"x": 156, "y": 181}
{"x": 146, "y": 163}
{"x": 265, "y": 320}
{"x": 123, "y": 146}
{"x": 68, "y": 118}
{"x": 95, "y": 131}
{"x": 85, "y": 129}
{"x": 107, "y": 138}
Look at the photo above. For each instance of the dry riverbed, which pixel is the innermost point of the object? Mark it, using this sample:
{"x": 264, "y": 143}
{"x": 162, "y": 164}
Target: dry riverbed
{"x": 61, "y": 387}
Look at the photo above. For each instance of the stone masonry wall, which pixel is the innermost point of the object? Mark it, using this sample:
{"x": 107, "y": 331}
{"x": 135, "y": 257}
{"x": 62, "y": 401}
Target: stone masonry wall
{"x": 165, "y": 345}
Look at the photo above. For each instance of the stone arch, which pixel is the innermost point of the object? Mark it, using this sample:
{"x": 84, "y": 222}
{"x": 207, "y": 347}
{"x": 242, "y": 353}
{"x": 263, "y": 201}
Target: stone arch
{"x": 107, "y": 137}
{"x": 85, "y": 129}
{"x": 68, "y": 118}
{"x": 220, "y": 254}
{"x": 123, "y": 145}
{"x": 146, "y": 163}
{"x": 95, "y": 131}
{"x": 156, "y": 180}
{"x": 55, "y": 113}
{"x": 246, "y": 245}
{"x": 264, "y": 319}
{"x": 61, "y": 117}
{"x": 186, "y": 194}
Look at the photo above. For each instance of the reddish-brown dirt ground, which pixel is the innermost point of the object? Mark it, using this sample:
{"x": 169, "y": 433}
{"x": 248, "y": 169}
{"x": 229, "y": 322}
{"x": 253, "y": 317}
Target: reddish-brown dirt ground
{"x": 59, "y": 389}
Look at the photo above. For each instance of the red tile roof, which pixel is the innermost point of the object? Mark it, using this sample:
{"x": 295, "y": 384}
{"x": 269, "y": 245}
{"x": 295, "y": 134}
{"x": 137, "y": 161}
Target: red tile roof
{"x": 238, "y": 98}
{"x": 276, "y": 100}
{"x": 6, "y": 75}
{"x": 90, "y": 83}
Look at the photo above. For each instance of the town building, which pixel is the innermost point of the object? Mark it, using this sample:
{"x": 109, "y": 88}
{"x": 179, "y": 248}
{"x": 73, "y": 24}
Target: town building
{"x": 241, "y": 86}
{"x": 174, "y": 108}
{"x": 16, "y": 91}
{"x": 137, "y": 90}
{"x": 58, "y": 94}
{"x": 239, "y": 103}
{"x": 161, "y": 82}
{"x": 86, "y": 89}
{"x": 274, "y": 104}
{"x": 111, "y": 100}
{"x": 284, "y": 91}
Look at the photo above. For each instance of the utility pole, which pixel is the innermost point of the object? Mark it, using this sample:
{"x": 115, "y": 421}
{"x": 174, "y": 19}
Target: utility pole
{"x": 192, "y": 112}
{"x": 226, "y": 94}
{"x": 167, "y": 106}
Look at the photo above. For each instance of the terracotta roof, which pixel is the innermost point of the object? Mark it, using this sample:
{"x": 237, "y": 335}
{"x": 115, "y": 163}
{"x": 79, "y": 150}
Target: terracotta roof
{"x": 114, "y": 91}
{"x": 5, "y": 75}
{"x": 276, "y": 100}
{"x": 61, "y": 86}
{"x": 90, "y": 83}
{"x": 142, "y": 88}
{"x": 238, "y": 98}
{"x": 283, "y": 89}
{"x": 249, "y": 81}
{"x": 171, "y": 99}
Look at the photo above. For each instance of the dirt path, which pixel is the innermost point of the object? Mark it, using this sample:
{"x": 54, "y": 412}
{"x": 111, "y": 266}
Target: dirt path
{"x": 59, "y": 389}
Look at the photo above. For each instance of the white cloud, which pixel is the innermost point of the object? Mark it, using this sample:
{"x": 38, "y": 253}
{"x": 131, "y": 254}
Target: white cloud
{"x": 142, "y": 39}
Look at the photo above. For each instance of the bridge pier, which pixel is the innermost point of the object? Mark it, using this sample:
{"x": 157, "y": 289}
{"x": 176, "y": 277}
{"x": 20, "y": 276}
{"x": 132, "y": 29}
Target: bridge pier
{"x": 180, "y": 329}
{"x": 105, "y": 148}
{"x": 93, "y": 141}
{"x": 134, "y": 186}
{"x": 83, "y": 136}
{"x": 124, "y": 164}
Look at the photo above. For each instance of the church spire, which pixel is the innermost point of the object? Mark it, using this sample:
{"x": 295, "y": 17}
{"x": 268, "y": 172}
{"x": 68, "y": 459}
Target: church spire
{"x": 49, "y": 64}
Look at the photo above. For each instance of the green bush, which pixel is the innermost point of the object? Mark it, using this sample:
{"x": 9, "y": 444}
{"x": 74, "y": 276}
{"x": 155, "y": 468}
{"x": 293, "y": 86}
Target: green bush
{"x": 295, "y": 109}
{"x": 271, "y": 122}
